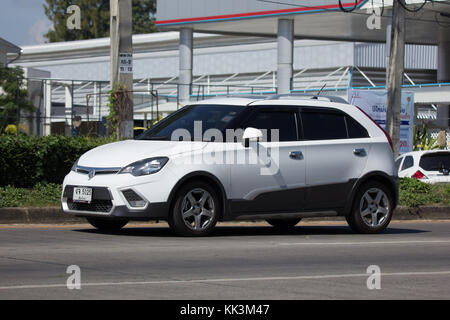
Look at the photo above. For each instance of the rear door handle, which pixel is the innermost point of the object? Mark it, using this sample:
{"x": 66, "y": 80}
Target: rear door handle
{"x": 359, "y": 152}
{"x": 296, "y": 155}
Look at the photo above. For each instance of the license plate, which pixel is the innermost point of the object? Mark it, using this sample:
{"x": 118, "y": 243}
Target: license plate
{"x": 81, "y": 194}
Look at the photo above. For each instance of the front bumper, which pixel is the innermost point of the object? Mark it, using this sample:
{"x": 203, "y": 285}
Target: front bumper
{"x": 103, "y": 206}
{"x": 109, "y": 200}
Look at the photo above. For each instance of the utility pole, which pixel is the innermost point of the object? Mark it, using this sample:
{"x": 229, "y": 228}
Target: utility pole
{"x": 122, "y": 60}
{"x": 395, "y": 74}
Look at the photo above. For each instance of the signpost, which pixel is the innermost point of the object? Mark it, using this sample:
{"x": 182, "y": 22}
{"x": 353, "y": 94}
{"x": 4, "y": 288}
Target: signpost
{"x": 122, "y": 60}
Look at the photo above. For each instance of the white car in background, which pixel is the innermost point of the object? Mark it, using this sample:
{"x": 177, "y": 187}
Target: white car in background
{"x": 430, "y": 166}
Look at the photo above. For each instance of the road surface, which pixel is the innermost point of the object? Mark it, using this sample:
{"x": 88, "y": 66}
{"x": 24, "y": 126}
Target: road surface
{"x": 314, "y": 261}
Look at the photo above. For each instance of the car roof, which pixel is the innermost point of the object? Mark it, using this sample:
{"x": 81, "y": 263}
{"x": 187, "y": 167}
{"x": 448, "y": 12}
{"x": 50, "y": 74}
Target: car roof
{"x": 297, "y": 100}
{"x": 231, "y": 101}
{"x": 421, "y": 153}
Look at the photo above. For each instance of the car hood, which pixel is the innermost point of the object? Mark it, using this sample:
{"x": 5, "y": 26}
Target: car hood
{"x": 120, "y": 154}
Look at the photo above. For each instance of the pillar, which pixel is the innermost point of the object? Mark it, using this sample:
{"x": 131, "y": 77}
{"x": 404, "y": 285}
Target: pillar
{"x": 443, "y": 75}
{"x": 186, "y": 61}
{"x": 285, "y": 55}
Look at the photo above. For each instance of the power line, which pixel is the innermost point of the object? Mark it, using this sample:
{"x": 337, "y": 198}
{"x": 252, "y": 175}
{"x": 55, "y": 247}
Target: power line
{"x": 416, "y": 9}
{"x": 353, "y": 11}
{"x": 348, "y": 10}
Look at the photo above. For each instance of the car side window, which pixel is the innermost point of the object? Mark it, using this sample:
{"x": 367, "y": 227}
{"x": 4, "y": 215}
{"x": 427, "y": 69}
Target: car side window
{"x": 268, "y": 120}
{"x": 408, "y": 163}
{"x": 321, "y": 125}
{"x": 398, "y": 163}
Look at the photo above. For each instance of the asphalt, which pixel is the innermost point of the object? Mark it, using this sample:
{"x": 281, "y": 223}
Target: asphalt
{"x": 316, "y": 260}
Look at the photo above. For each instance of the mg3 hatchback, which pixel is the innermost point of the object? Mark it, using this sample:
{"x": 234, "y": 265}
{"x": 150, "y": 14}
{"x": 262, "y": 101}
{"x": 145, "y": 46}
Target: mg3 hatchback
{"x": 279, "y": 159}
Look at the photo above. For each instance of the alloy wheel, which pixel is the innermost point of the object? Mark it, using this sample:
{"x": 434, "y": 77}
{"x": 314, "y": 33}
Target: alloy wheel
{"x": 374, "y": 207}
{"x": 197, "y": 209}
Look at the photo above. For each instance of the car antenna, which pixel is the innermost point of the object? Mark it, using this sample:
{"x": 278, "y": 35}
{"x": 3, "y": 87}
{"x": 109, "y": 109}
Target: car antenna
{"x": 320, "y": 91}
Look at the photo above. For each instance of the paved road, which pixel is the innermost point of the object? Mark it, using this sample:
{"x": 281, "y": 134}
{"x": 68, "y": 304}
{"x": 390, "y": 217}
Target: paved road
{"x": 322, "y": 261}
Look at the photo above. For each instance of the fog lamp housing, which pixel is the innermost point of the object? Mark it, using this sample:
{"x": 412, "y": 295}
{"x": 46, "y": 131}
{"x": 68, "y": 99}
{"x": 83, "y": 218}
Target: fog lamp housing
{"x": 133, "y": 199}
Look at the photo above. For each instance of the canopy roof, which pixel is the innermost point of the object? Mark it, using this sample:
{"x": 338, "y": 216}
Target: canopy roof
{"x": 318, "y": 19}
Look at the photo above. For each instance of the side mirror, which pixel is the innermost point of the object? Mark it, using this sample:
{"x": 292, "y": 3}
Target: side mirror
{"x": 251, "y": 134}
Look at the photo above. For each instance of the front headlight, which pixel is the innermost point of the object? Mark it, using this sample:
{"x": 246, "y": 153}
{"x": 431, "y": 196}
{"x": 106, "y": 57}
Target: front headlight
{"x": 145, "y": 167}
{"x": 75, "y": 165}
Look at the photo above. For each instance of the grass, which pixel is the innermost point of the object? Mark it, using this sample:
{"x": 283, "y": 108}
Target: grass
{"x": 42, "y": 195}
{"x": 412, "y": 193}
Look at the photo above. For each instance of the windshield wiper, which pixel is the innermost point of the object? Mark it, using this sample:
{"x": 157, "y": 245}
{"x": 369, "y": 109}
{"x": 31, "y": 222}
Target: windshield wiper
{"x": 155, "y": 138}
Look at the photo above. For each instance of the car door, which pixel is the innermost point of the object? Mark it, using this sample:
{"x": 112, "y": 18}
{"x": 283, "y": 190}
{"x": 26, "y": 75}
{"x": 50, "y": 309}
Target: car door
{"x": 275, "y": 183}
{"x": 337, "y": 149}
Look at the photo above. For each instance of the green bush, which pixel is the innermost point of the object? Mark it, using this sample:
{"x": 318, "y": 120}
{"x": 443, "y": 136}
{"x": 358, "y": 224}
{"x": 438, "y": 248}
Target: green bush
{"x": 42, "y": 195}
{"x": 414, "y": 193}
{"x": 28, "y": 160}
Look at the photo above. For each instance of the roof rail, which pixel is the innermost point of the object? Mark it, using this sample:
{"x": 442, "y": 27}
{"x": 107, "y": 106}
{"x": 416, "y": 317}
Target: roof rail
{"x": 302, "y": 96}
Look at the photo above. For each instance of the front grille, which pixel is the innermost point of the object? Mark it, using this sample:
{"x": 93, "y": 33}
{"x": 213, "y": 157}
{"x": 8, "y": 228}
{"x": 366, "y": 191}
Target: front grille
{"x": 94, "y": 206}
{"x": 101, "y": 200}
{"x": 97, "y": 171}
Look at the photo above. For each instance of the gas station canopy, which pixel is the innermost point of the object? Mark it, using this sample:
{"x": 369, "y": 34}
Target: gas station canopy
{"x": 313, "y": 19}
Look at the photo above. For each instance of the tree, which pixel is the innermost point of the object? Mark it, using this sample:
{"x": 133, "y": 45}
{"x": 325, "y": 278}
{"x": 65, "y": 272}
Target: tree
{"x": 95, "y": 19}
{"x": 12, "y": 94}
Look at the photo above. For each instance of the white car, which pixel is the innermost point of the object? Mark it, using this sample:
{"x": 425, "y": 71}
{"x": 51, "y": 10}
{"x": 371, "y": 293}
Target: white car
{"x": 430, "y": 166}
{"x": 279, "y": 158}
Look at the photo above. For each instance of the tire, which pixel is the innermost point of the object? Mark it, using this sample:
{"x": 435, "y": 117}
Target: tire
{"x": 195, "y": 210}
{"x": 283, "y": 224}
{"x": 372, "y": 208}
{"x": 107, "y": 225}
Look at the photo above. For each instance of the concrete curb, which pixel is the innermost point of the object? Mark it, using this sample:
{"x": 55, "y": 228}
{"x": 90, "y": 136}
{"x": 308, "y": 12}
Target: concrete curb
{"x": 36, "y": 215}
{"x": 56, "y": 216}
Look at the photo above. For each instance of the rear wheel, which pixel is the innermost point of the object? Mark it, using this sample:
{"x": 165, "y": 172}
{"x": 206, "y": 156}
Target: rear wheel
{"x": 372, "y": 209}
{"x": 106, "y": 224}
{"x": 283, "y": 224}
{"x": 196, "y": 210}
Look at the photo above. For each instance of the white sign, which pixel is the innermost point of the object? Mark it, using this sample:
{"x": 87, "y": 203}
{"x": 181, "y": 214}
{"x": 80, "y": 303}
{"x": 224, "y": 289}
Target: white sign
{"x": 373, "y": 102}
{"x": 125, "y": 62}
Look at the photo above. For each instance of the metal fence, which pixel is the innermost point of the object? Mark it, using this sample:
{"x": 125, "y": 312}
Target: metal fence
{"x": 78, "y": 107}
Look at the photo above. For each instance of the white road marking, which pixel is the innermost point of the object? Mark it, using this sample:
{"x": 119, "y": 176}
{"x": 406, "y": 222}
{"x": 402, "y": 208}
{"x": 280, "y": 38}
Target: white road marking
{"x": 362, "y": 243}
{"x": 308, "y": 277}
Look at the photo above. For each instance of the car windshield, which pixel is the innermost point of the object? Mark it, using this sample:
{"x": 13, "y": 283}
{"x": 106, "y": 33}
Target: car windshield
{"x": 435, "y": 161}
{"x": 204, "y": 116}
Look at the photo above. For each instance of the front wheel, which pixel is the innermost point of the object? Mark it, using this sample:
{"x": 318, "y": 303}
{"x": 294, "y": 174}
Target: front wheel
{"x": 283, "y": 224}
{"x": 372, "y": 209}
{"x": 195, "y": 211}
{"x": 106, "y": 224}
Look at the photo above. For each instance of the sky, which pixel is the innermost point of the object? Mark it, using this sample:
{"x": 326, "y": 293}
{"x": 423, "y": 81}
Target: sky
{"x": 23, "y": 22}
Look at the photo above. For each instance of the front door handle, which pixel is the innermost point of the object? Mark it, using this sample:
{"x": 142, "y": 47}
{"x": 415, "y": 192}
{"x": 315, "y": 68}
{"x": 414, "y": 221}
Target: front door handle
{"x": 296, "y": 155}
{"x": 359, "y": 152}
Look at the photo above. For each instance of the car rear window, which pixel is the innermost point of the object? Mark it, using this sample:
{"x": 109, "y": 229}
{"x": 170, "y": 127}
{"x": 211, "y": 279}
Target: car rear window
{"x": 435, "y": 161}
